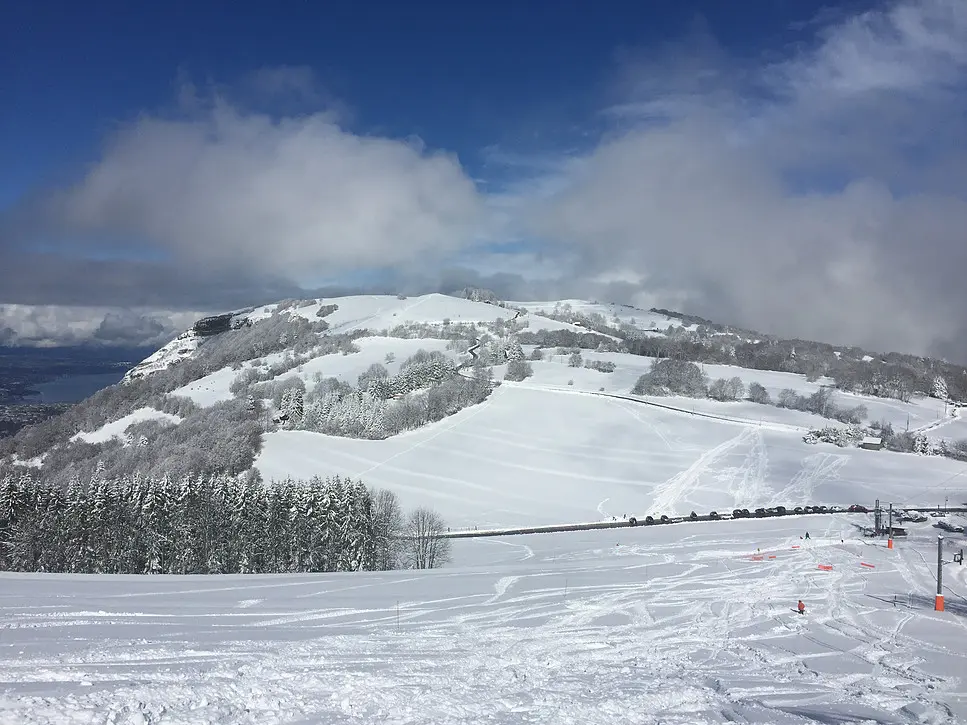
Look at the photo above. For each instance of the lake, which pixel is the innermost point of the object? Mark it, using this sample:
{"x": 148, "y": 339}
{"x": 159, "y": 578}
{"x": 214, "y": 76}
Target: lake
{"x": 74, "y": 388}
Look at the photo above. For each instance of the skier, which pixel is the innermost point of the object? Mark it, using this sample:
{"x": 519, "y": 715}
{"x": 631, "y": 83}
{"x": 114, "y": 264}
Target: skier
{"x": 807, "y": 535}
{"x": 802, "y": 607}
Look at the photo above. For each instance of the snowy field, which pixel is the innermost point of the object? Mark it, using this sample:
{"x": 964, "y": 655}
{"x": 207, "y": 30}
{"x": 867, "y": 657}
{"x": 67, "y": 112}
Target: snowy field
{"x": 665, "y": 624}
{"x": 918, "y": 413}
{"x": 642, "y": 319}
{"x": 530, "y": 456}
{"x": 673, "y": 625}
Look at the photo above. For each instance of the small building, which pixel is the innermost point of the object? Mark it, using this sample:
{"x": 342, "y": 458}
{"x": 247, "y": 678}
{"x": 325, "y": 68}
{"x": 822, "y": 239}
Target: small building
{"x": 871, "y": 443}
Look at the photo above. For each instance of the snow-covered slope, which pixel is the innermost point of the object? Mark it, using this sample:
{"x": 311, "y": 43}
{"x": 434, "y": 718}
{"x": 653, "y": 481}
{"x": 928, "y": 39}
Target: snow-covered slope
{"x": 612, "y": 312}
{"x": 539, "y": 456}
{"x": 359, "y": 312}
{"x": 568, "y": 443}
{"x": 675, "y": 625}
{"x": 672, "y": 624}
{"x": 117, "y": 428}
{"x": 181, "y": 348}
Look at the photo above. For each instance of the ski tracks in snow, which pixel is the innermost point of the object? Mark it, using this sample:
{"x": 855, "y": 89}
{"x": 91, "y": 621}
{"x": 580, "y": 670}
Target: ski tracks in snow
{"x": 666, "y": 630}
{"x": 749, "y": 486}
{"x": 674, "y": 492}
{"x": 816, "y": 469}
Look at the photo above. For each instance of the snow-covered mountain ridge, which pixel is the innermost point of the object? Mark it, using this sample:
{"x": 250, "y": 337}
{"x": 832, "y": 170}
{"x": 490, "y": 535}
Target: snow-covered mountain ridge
{"x": 562, "y": 409}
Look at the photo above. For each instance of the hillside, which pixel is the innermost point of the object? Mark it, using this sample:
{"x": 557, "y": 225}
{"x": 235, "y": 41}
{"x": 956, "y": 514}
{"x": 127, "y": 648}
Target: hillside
{"x": 491, "y": 415}
{"x": 431, "y": 397}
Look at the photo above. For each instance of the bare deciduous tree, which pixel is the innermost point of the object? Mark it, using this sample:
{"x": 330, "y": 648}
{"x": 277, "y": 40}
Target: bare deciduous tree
{"x": 388, "y": 528}
{"x": 425, "y": 546}
{"x": 758, "y": 394}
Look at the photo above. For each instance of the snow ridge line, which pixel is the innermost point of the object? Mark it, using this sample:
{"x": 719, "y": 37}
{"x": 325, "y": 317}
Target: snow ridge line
{"x": 619, "y": 396}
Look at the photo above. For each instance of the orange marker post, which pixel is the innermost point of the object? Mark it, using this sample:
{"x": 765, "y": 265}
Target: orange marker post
{"x": 938, "y": 603}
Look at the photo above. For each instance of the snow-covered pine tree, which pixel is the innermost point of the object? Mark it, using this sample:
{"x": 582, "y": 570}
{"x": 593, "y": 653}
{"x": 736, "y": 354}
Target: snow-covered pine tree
{"x": 100, "y": 519}
{"x": 921, "y": 446}
{"x": 76, "y": 528}
{"x": 514, "y": 351}
{"x": 188, "y": 513}
{"x": 156, "y": 522}
{"x": 940, "y": 388}
{"x": 361, "y": 532}
{"x": 276, "y": 549}
{"x": 337, "y": 524}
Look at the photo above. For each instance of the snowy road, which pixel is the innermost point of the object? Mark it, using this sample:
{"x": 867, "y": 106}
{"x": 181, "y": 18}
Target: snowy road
{"x": 664, "y": 624}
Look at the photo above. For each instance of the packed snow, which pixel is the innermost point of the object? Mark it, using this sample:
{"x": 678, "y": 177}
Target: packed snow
{"x": 116, "y": 429}
{"x": 689, "y": 623}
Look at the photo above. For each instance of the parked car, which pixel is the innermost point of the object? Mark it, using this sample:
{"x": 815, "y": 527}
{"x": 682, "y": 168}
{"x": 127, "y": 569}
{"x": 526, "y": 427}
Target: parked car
{"x": 798, "y": 510}
{"x": 858, "y": 509}
{"x": 664, "y": 519}
{"x": 714, "y": 516}
{"x": 649, "y": 519}
{"x": 760, "y": 512}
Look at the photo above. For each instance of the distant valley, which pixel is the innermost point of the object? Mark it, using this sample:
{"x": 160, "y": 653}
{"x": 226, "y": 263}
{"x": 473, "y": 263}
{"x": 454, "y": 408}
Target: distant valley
{"x": 37, "y": 382}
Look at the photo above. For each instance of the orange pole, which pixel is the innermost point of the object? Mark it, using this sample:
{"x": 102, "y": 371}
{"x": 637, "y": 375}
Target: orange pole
{"x": 938, "y": 603}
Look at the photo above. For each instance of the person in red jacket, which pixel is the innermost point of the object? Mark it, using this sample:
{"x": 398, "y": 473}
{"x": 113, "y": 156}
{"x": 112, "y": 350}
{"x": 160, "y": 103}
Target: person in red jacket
{"x": 802, "y": 607}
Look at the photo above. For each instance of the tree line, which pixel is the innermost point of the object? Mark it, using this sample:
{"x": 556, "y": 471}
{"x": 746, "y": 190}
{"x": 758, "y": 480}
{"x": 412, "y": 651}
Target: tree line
{"x": 211, "y": 525}
{"x": 678, "y": 377}
{"x": 888, "y": 375}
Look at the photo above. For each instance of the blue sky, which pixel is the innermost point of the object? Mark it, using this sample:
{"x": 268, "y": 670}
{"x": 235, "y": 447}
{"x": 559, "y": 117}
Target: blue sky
{"x": 461, "y": 76}
{"x": 769, "y": 162}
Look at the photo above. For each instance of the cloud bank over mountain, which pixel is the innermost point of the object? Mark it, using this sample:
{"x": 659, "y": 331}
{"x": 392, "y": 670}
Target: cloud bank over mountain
{"x": 818, "y": 192}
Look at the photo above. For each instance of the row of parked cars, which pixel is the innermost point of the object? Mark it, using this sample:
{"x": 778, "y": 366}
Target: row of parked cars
{"x": 758, "y": 513}
{"x": 949, "y": 528}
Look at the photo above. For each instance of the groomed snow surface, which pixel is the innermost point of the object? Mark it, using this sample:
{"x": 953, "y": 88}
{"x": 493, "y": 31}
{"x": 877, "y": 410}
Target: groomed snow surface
{"x": 665, "y": 624}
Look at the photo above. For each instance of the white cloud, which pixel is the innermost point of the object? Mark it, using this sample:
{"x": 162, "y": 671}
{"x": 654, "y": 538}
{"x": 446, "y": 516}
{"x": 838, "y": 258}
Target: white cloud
{"x": 52, "y": 325}
{"x": 298, "y": 196}
{"x": 815, "y": 197}
{"x": 821, "y": 195}
{"x": 908, "y": 46}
